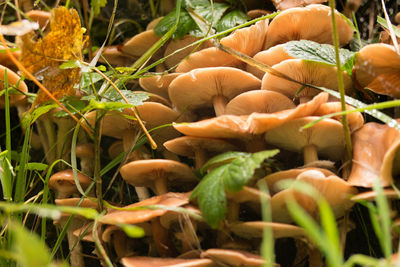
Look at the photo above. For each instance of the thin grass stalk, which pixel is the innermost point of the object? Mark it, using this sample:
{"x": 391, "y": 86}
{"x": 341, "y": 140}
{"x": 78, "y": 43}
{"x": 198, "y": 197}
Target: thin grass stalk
{"x": 346, "y": 129}
{"x": 97, "y": 162}
{"x": 357, "y": 30}
{"x": 7, "y": 179}
{"x": 267, "y": 245}
{"x": 21, "y": 182}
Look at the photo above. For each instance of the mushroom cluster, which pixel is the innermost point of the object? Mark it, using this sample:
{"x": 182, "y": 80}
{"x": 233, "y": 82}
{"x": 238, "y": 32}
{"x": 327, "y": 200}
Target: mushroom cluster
{"x": 207, "y": 102}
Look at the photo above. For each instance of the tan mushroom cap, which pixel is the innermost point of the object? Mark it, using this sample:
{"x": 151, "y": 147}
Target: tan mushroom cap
{"x": 88, "y": 233}
{"x": 355, "y": 119}
{"x": 275, "y": 177}
{"x": 13, "y": 79}
{"x": 261, "y": 101}
{"x": 300, "y": 23}
{"x": 325, "y": 138}
{"x": 376, "y": 155}
{"x": 144, "y": 215}
{"x": 142, "y": 261}
{"x": 63, "y": 182}
{"x": 286, "y": 4}
{"x": 156, "y": 173}
{"x": 84, "y": 150}
{"x": 174, "y": 45}
{"x": 113, "y": 56}
{"x": 6, "y": 61}
{"x": 158, "y": 84}
{"x": 270, "y": 57}
{"x": 41, "y": 17}
{"x": 377, "y": 67}
{"x": 115, "y": 124}
{"x": 156, "y": 98}
{"x": 250, "y": 230}
{"x": 73, "y": 202}
{"x": 233, "y": 258}
{"x": 203, "y": 88}
{"x": 371, "y": 195}
{"x": 335, "y": 190}
{"x": 152, "y": 24}
{"x": 172, "y": 216}
{"x": 314, "y": 73}
{"x": 231, "y": 126}
{"x": 140, "y": 43}
{"x": 247, "y": 40}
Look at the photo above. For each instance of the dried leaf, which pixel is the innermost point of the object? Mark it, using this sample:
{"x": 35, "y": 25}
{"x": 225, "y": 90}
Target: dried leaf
{"x": 43, "y": 57}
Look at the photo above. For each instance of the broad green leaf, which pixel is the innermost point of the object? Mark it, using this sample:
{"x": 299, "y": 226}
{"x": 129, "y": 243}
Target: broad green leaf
{"x": 73, "y": 105}
{"x": 89, "y": 78}
{"x": 97, "y": 5}
{"x": 186, "y": 24}
{"x": 34, "y": 166}
{"x": 194, "y": 3}
{"x": 221, "y": 159}
{"x": 323, "y": 53}
{"x": 229, "y": 177}
{"x": 232, "y": 19}
{"x": 28, "y": 247}
{"x": 93, "y": 104}
{"x": 134, "y": 98}
{"x": 71, "y": 64}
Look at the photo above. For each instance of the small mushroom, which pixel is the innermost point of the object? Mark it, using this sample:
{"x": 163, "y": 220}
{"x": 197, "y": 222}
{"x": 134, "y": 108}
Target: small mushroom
{"x": 158, "y": 84}
{"x": 157, "y": 262}
{"x": 63, "y": 183}
{"x": 233, "y": 258}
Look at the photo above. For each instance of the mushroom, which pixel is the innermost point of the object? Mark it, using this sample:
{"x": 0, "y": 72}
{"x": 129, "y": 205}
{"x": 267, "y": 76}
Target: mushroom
{"x": 377, "y": 67}
{"x": 140, "y": 43}
{"x": 13, "y": 80}
{"x": 303, "y": 71}
{"x": 376, "y": 155}
{"x": 158, "y": 84}
{"x": 112, "y": 55}
{"x": 299, "y": 23}
{"x": 157, "y": 262}
{"x": 325, "y": 138}
{"x": 248, "y": 41}
{"x": 198, "y": 148}
{"x": 207, "y": 87}
{"x": 157, "y": 174}
{"x": 233, "y": 258}
{"x": 335, "y": 190}
{"x": 261, "y": 101}
{"x": 85, "y": 152}
{"x": 63, "y": 183}
{"x": 286, "y": 4}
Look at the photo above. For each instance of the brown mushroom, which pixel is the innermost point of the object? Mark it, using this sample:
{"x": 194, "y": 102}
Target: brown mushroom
{"x": 63, "y": 183}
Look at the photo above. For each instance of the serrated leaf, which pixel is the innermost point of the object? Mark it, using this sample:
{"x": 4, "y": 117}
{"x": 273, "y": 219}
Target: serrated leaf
{"x": 232, "y": 176}
{"x": 221, "y": 159}
{"x": 232, "y": 19}
{"x": 97, "y": 5}
{"x": 322, "y": 53}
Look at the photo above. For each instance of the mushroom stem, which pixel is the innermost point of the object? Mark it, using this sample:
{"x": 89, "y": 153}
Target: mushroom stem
{"x": 310, "y": 154}
{"x": 200, "y": 157}
{"x": 233, "y": 211}
{"x": 160, "y": 185}
{"x": 142, "y": 192}
{"x": 256, "y": 144}
{"x": 219, "y": 102}
{"x": 162, "y": 241}
{"x": 127, "y": 138}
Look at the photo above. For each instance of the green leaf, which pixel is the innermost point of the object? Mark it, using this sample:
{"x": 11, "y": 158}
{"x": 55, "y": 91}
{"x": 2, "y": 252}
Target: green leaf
{"x": 88, "y": 79}
{"x": 97, "y": 5}
{"x": 134, "y": 98}
{"x": 221, "y": 159}
{"x": 229, "y": 177}
{"x": 73, "y": 105}
{"x": 132, "y": 230}
{"x": 34, "y": 166}
{"x": 30, "y": 118}
{"x": 93, "y": 104}
{"x": 323, "y": 53}
{"x": 71, "y": 64}
{"x": 232, "y": 19}
{"x": 185, "y": 24}
{"x": 384, "y": 24}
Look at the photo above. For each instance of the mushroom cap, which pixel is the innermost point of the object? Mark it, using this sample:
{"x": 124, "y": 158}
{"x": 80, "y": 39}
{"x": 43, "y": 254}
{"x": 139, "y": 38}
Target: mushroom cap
{"x": 286, "y": 4}
{"x": 371, "y": 195}
{"x": 248, "y": 40}
{"x": 335, "y": 190}
{"x": 327, "y": 135}
{"x": 152, "y": 114}
{"x": 5, "y": 59}
{"x": 261, "y": 101}
{"x": 142, "y": 261}
{"x": 246, "y": 194}
{"x": 275, "y": 177}
{"x": 41, "y": 17}
{"x": 156, "y": 98}
{"x": 144, "y": 215}
{"x": 197, "y": 88}
{"x": 12, "y": 79}
{"x": 158, "y": 84}
{"x": 171, "y": 216}
{"x": 355, "y": 120}
{"x": 73, "y": 202}
{"x": 300, "y": 23}
{"x": 376, "y": 155}
{"x": 152, "y": 24}
{"x": 377, "y": 67}
{"x": 233, "y": 258}
{"x": 250, "y": 230}
{"x": 270, "y": 57}
{"x": 144, "y": 172}
{"x": 303, "y": 71}
{"x": 85, "y": 150}
{"x": 64, "y": 182}
{"x": 232, "y": 126}
{"x": 114, "y": 56}
{"x": 174, "y": 45}
{"x": 187, "y": 145}
{"x": 140, "y": 43}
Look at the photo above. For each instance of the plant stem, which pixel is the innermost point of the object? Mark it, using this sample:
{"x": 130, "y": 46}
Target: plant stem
{"x": 7, "y": 179}
{"x": 97, "y": 164}
{"x": 346, "y": 129}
